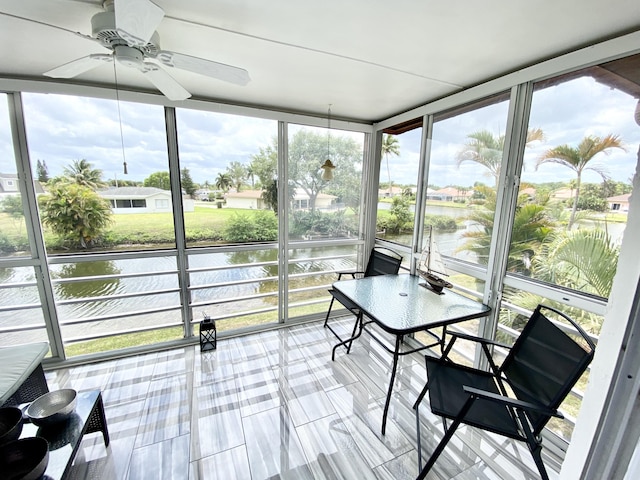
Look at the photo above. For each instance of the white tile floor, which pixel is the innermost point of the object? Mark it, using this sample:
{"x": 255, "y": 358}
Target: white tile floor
{"x": 274, "y": 406}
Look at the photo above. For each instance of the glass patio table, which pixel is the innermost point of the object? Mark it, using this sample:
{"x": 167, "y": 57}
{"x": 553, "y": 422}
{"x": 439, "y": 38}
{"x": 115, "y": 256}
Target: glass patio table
{"x": 401, "y": 305}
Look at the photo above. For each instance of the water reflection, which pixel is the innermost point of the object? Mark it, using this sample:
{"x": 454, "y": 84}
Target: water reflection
{"x": 87, "y": 288}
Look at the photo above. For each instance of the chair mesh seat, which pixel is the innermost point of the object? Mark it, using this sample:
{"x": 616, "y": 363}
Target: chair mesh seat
{"x": 447, "y": 397}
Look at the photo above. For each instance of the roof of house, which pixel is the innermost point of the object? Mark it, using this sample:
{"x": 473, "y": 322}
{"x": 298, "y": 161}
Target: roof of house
{"x": 620, "y": 198}
{"x": 258, "y": 194}
{"x": 130, "y": 192}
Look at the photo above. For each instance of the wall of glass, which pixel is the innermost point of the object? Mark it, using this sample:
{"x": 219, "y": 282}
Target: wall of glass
{"x": 564, "y": 204}
{"x": 143, "y": 232}
{"x": 324, "y": 212}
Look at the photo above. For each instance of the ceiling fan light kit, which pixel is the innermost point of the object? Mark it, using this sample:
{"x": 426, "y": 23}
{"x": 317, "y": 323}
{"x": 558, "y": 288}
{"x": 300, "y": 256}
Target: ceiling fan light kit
{"x": 128, "y": 29}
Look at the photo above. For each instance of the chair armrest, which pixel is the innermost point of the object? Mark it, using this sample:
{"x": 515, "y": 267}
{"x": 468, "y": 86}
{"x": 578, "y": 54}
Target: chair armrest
{"x": 353, "y": 274}
{"x": 512, "y": 402}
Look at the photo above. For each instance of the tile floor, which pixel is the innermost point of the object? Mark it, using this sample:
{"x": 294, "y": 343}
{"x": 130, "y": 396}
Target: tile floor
{"x": 274, "y": 406}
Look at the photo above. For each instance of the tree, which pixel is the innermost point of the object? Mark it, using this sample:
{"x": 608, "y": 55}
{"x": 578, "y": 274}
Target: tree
{"x": 42, "y": 171}
{"x": 238, "y": 173}
{"x": 223, "y": 182}
{"x": 12, "y": 206}
{"x": 531, "y": 226}
{"x": 308, "y": 151}
{"x": 264, "y": 164}
{"x": 579, "y": 159}
{"x": 583, "y": 259}
{"x": 159, "y": 180}
{"x": 83, "y": 173}
{"x": 76, "y": 213}
{"x": 390, "y": 146}
{"x": 485, "y": 148}
{"x": 270, "y": 195}
{"x": 251, "y": 175}
{"x": 186, "y": 182}
{"x": 592, "y": 198}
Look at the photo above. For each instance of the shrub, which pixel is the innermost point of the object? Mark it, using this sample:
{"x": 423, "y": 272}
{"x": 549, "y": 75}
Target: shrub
{"x": 260, "y": 226}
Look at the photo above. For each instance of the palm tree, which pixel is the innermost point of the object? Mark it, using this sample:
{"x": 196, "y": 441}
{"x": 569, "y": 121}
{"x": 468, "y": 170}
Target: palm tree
{"x": 578, "y": 159}
{"x": 223, "y": 182}
{"x": 238, "y": 173}
{"x": 584, "y": 260}
{"x": 531, "y": 226}
{"x": 485, "y": 148}
{"x": 83, "y": 173}
{"x": 390, "y": 146}
{"x": 251, "y": 175}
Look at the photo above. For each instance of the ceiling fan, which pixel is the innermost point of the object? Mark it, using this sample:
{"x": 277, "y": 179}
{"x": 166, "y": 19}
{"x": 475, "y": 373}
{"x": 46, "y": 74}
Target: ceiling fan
{"x": 128, "y": 29}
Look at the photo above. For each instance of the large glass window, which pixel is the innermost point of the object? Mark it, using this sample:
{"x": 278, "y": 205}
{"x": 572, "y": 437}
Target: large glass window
{"x": 575, "y": 188}
{"x": 13, "y": 232}
{"x": 95, "y": 160}
{"x": 228, "y": 165}
{"x": 322, "y": 207}
{"x": 464, "y": 168}
{"x": 398, "y": 184}
{"x": 237, "y": 288}
{"x": 573, "y": 201}
{"x": 132, "y": 301}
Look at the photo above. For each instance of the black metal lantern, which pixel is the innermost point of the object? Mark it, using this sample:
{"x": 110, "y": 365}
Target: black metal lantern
{"x": 208, "y": 334}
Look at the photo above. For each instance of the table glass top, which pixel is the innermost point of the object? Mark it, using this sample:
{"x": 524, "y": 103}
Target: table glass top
{"x": 399, "y": 304}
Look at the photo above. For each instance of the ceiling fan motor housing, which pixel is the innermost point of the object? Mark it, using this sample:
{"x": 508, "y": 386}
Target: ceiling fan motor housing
{"x": 103, "y": 28}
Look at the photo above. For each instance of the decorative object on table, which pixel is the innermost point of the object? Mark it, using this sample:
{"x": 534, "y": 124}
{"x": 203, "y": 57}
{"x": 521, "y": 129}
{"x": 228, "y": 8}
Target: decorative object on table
{"x": 10, "y": 424}
{"x": 24, "y": 459}
{"x": 431, "y": 265}
{"x": 53, "y": 407}
{"x": 208, "y": 334}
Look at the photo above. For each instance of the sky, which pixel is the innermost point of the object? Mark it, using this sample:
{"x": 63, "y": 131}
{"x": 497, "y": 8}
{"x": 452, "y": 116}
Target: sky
{"x": 62, "y": 128}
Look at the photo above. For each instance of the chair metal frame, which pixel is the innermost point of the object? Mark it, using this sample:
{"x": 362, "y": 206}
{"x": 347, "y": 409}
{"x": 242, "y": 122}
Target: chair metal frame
{"x": 521, "y": 414}
{"x": 380, "y": 263}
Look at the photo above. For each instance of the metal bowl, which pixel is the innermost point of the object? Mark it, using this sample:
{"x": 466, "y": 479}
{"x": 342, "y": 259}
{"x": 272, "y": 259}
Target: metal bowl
{"x": 10, "y": 424}
{"x": 53, "y": 407}
{"x": 24, "y": 459}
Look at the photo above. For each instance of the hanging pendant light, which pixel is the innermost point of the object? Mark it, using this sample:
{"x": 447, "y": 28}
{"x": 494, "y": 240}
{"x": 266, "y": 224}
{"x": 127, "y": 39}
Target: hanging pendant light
{"x": 327, "y": 167}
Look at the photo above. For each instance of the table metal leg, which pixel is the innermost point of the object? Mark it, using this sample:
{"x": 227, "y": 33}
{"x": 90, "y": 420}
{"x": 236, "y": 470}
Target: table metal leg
{"x": 396, "y": 354}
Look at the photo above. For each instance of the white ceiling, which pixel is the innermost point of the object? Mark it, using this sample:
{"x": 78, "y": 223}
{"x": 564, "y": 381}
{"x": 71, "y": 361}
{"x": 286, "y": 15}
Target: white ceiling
{"x": 369, "y": 59}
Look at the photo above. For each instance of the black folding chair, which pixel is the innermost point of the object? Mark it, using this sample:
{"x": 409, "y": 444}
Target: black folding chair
{"x": 540, "y": 369}
{"x": 382, "y": 261}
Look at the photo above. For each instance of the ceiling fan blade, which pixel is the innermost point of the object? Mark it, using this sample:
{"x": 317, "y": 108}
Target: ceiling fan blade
{"x": 136, "y": 20}
{"x": 165, "y": 82}
{"x": 81, "y": 65}
{"x": 228, "y": 73}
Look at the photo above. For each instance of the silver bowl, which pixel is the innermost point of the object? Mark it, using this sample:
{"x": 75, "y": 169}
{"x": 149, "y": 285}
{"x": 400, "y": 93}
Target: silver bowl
{"x": 52, "y": 408}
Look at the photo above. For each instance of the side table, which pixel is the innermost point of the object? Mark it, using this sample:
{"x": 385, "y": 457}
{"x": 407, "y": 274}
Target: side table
{"x": 64, "y": 439}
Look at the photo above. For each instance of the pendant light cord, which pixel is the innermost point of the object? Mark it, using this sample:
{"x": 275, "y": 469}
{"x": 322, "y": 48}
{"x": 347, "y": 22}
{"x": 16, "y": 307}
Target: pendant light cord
{"x": 328, "y": 131}
{"x": 124, "y": 158}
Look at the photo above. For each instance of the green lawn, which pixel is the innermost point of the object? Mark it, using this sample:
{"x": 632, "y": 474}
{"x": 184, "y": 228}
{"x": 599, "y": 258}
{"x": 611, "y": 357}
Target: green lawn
{"x": 140, "y": 228}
